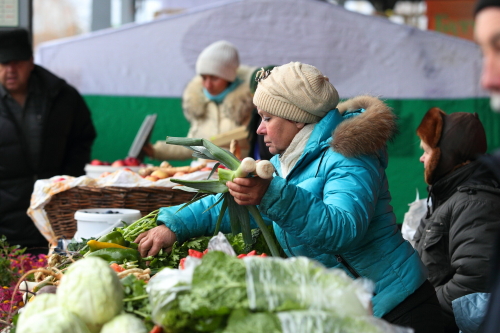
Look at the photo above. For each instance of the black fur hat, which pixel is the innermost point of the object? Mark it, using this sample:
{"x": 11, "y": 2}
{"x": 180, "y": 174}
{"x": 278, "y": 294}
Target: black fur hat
{"x": 481, "y": 4}
{"x": 15, "y": 44}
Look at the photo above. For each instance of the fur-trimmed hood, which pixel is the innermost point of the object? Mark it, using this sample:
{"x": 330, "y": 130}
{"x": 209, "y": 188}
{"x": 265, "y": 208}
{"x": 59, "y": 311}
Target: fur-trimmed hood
{"x": 367, "y": 132}
{"x": 235, "y": 106}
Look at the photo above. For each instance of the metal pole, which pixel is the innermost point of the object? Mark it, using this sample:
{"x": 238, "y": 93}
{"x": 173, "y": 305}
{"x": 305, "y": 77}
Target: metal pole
{"x": 101, "y": 14}
{"x": 128, "y": 11}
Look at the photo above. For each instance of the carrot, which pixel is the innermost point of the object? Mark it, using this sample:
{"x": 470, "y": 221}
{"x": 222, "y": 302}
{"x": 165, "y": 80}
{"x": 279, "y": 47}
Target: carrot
{"x": 156, "y": 329}
{"x": 117, "y": 268}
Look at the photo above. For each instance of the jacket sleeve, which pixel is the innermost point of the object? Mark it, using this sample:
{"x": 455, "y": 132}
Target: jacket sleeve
{"x": 195, "y": 220}
{"x": 472, "y": 238}
{"x": 337, "y": 220}
{"x": 81, "y": 138}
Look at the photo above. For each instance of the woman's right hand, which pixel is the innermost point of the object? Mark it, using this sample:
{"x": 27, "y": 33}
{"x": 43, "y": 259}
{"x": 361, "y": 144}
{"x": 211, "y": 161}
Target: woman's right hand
{"x": 152, "y": 241}
{"x": 148, "y": 150}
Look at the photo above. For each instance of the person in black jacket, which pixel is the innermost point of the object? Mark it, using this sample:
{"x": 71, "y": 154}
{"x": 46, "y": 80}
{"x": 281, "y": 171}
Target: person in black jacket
{"x": 455, "y": 240}
{"x": 45, "y": 130}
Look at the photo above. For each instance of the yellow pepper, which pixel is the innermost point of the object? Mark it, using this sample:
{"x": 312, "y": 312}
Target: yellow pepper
{"x": 95, "y": 245}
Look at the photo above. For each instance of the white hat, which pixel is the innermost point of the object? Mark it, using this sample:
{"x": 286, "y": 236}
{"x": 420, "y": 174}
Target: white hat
{"x": 219, "y": 59}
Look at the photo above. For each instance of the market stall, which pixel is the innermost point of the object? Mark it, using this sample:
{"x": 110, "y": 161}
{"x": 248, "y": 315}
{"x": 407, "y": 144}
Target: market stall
{"x": 237, "y": 282}
{"x": 140, "y": 69}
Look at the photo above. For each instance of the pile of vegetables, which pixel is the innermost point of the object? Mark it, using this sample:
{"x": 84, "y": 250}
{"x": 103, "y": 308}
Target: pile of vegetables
{"x": 221, "y": 293}
{"x": 89, "y": 299}
{"x": 14, "y": 263}
{"x": 118, "y": 246}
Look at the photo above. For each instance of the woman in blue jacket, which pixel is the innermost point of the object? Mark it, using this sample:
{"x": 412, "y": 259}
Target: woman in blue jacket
{"x": 330, "y": 200}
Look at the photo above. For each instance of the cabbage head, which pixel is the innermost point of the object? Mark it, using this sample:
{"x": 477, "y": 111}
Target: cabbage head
{"x": 39, "y": 304}
{"x": 124, "y": 323}
{"x": 92, "y": 290}
{"x": 53, "y": 320}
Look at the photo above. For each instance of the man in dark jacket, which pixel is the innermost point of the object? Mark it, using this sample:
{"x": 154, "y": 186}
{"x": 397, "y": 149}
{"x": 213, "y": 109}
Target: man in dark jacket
{"x": 45, "y": 130}
{"x": 456, "y": 238}
{"x": 487, "y": 35}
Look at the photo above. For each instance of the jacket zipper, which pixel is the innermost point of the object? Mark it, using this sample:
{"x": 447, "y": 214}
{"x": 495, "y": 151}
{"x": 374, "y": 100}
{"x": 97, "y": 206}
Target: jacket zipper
{"x": 341, "y": 260}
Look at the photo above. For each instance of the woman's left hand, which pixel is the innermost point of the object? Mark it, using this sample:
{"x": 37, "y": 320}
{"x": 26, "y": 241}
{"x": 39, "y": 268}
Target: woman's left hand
{"x": 248, "y": 191}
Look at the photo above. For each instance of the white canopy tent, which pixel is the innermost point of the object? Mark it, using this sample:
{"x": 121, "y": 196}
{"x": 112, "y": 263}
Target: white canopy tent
{"x": 361, "y": 54}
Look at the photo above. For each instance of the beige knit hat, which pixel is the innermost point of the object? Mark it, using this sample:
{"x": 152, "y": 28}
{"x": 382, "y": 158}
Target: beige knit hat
{"x": 297, "y": 92}
{"x": 220, "y": 59}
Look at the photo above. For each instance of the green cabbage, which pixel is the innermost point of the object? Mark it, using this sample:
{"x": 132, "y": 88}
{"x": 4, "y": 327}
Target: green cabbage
{"x": 92, "y": 290}
{"x": 53, "y": 320}
{"x": 38, "y": 304}
{"x": 124, "y": 323}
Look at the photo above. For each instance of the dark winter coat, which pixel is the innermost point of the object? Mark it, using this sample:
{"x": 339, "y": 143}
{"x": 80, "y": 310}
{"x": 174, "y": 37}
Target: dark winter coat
{"x": 456, "y": 238}
{"x": 67, "y": 136}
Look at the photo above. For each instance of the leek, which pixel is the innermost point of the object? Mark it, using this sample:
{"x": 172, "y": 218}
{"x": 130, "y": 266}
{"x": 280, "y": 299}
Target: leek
{"x": 239, "y": 216}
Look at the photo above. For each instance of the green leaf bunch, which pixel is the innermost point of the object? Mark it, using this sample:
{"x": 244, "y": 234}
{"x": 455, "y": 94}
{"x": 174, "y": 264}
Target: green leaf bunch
{"x": 239, "y": 215}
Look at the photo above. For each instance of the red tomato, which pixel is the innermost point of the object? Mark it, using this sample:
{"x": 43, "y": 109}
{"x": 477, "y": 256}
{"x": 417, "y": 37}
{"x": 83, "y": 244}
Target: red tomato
{"x": 181, "y": 263}
{"x": 194, "y": 253}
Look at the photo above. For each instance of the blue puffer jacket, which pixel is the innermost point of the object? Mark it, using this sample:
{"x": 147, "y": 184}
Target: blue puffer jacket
{"x": 334, "y": 205}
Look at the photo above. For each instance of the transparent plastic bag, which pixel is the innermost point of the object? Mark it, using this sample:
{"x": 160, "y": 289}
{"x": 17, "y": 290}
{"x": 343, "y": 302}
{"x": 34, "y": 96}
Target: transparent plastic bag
{"x": 321, "y": 321}
{"x": 220, "y": 243}
{"x": 165, "y": 287}
{"x": 276, "y": 284}
{"x": 412, "y": 218}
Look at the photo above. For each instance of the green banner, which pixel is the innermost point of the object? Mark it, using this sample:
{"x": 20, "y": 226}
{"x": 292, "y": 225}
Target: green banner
{"x": 118, "y": 118}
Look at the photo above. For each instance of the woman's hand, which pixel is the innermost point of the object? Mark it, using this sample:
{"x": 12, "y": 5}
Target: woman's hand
{"x": 148, "y": 150}
{"x": 248, "y": 191}
{"x": 152, "y": 241}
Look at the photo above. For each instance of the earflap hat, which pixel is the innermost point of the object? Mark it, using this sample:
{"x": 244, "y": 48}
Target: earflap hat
{"x": 454, "y": 139}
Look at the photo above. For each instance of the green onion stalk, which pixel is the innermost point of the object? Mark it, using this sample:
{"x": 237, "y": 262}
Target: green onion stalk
{"x": 239, "y": 216}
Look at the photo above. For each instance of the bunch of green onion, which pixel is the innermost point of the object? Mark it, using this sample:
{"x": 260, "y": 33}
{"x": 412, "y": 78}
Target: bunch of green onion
{"x": 239, "y": 215}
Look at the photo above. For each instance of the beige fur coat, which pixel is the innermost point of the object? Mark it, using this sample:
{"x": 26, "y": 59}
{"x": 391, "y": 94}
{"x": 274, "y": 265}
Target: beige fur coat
{"x": 207, "y": 118}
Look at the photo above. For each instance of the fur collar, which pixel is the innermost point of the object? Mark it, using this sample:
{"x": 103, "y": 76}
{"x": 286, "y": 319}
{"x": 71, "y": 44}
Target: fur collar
{"x": 235, "y": 106}
{"x": 367, "y": 132}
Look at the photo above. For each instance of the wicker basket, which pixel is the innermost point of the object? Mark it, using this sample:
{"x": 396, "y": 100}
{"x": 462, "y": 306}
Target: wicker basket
{"x": 62, "y": 207}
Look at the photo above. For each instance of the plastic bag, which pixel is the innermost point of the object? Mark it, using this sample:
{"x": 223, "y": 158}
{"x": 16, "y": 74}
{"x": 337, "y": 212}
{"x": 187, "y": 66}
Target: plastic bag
{"x": 417, "y": 211}
{"x": 276, "y": 284}
{"x": 165, "y": 287}
{"x": 470, "y": 311}
{"x": 220, "y": 243}
{"x": 320, "y": 321}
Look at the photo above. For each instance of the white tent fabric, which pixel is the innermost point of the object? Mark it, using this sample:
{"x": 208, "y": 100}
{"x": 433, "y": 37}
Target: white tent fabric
{"x": 360, "y": 54}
